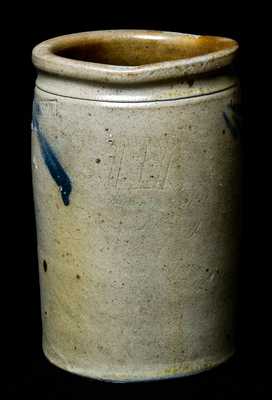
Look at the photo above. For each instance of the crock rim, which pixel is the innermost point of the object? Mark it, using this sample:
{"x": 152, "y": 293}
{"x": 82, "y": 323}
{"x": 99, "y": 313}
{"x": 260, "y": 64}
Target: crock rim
{"x": 45, "y": 59}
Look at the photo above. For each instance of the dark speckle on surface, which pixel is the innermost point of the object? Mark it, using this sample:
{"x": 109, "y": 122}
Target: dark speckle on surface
{"x": 97, "y": 160}
{"x": 77, "y": 276}
{"x": 44, "y": 265}
{"x": 190, "y": 82}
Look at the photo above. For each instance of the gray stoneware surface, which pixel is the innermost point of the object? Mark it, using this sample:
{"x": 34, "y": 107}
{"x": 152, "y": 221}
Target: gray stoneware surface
{"x": 136, "y": 186}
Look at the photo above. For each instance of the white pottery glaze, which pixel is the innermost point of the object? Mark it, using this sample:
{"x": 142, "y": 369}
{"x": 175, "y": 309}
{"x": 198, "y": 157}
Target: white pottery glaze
{"x": 136, "y": 172}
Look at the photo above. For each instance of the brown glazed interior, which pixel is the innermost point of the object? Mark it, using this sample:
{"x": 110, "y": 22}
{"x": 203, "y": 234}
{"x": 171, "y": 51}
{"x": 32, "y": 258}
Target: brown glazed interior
{"x": 132, "y": 56}
{"x": 136, "y": 50}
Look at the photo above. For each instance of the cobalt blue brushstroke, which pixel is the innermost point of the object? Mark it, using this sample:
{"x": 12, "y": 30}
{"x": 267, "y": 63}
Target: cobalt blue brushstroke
{"x": 54, "y": 167}
{"x": 233, "y": 119}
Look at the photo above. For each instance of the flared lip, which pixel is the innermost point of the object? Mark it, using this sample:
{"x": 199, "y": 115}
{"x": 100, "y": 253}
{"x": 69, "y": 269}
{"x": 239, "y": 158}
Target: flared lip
{"x": 207, "y": 53}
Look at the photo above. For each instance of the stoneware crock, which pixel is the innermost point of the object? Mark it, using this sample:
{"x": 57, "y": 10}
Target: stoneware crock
{"x": 136, "y": 172}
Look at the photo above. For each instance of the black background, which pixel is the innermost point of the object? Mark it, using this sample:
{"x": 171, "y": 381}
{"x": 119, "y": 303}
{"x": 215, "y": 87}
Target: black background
{"x": 28, "y": 372}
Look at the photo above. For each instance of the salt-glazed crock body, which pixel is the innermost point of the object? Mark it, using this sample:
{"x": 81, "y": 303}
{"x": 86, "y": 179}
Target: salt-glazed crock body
{"x": 136, "y": 172}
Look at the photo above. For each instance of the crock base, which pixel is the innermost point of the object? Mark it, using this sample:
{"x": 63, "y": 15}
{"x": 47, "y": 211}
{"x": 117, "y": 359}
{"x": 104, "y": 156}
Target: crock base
{"x": 180, "y": 372}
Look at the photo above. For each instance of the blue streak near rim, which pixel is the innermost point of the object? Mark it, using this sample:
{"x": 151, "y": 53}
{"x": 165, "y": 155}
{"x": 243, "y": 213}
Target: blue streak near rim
{"x": 233, "y": 119}
{"x": 54, "y": 167}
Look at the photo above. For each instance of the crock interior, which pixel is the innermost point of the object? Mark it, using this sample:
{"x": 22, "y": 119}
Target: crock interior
{"x": 141, "y": 49}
